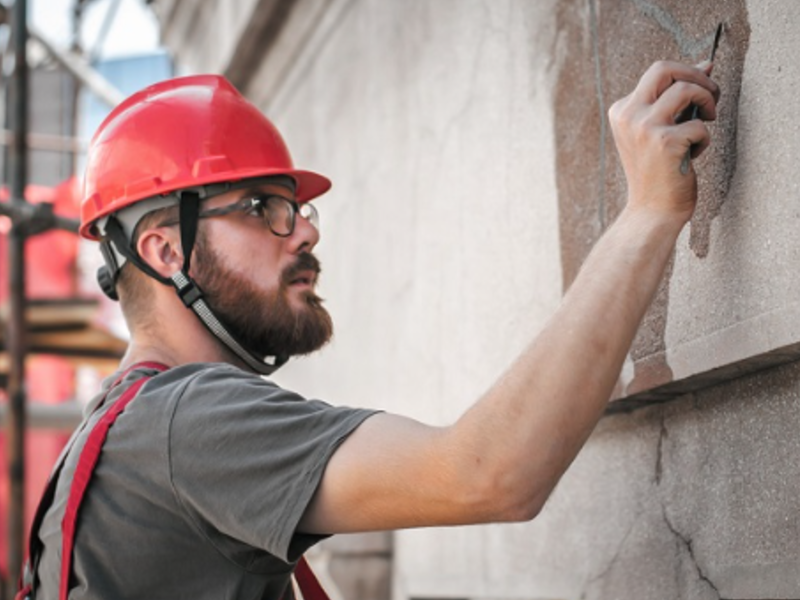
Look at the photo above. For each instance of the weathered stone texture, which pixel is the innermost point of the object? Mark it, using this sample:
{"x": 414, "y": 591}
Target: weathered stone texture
{"x": 693, "y": 500}
{"x": 607, "y": 45}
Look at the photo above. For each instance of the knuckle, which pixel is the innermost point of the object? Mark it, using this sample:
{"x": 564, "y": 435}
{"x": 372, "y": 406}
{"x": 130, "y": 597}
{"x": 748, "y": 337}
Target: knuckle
{"x": 620, "y": 114}
{"x": 683, "y": 87}
{"x": 615, "y": 111}
{"x": 661, "y": 66}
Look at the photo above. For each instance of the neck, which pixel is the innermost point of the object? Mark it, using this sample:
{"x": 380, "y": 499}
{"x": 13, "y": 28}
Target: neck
{"x": 144, "y": 352}
{"x": 194, "y": 344}
{"x": 184, "y": 340}
{"x": 174, "y": 336}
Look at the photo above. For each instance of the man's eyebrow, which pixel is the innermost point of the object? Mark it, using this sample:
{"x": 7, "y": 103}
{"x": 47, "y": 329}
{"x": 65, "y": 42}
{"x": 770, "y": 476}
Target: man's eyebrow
{"x": 252, "y": 191}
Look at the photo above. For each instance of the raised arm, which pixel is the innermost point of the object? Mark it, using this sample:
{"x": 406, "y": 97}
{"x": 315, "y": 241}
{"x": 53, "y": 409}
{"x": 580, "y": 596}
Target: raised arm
{"x": 503, "y": 457}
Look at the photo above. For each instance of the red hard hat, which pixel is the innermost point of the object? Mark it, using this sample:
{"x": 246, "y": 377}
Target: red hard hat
{"x": 183, "y": 133}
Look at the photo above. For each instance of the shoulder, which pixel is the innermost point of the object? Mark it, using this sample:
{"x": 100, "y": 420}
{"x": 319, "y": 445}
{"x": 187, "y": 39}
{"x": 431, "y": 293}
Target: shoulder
{"x": 207, "y": 374}
{"x": 208, "y": 405}
{"x": 214, "y": 382}
{"x": 221, "y": 393}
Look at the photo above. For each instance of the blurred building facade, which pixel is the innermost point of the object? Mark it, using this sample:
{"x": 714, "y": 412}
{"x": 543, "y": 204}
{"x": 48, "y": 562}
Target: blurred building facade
{"x": 68, "y": 319}
{"x": 472, "y": 170}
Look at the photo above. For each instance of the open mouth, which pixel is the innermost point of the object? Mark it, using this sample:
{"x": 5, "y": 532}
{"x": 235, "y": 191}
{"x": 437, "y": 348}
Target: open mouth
{"x": 303, "y": 273}
{"x": 307, "y": 278}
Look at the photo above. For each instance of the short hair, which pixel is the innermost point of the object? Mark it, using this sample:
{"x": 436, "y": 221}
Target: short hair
{"x": 132, "y": 286}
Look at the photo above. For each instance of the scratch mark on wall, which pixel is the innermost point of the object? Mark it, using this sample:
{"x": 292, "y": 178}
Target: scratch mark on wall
{"x": 605, "y": 47}
{"x": 687, "y": 45}
{"x": 718, "y": 165}
{"x": 598, "y": 82}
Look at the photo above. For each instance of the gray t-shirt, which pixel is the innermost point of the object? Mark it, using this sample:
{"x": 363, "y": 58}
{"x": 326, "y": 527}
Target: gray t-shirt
{"x": 199, "y": 489}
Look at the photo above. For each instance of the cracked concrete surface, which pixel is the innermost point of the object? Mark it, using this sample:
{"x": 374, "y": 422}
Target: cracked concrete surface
{"x": 599, "y": 577}
{"x": 686, "y": 544}
{"x": 694, "y": 500}
{"x": 723, "y": 481}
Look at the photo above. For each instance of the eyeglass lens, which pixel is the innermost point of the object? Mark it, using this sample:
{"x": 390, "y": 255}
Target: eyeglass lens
{"x": 280, "y": 215}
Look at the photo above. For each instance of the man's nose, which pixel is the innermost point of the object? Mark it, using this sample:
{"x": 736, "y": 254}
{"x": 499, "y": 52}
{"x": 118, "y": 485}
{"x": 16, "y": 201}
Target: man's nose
{"x": 305, "y": 236}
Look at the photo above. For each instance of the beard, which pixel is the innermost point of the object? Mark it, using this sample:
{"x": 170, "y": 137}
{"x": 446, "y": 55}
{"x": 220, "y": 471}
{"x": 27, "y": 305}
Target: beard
{"x": 264, "y": 323}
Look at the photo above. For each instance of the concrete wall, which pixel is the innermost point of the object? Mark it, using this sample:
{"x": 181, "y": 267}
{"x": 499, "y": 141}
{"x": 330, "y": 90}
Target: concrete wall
{"x": 472, "y": 171}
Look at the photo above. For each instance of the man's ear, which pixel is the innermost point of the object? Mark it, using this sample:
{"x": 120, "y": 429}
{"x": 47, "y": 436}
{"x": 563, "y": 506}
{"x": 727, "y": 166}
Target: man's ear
{"x": 160, "y": 248}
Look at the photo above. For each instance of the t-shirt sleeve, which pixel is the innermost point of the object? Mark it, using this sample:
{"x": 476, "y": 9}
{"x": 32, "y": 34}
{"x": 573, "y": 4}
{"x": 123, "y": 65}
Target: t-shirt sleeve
{"x": 246, "y": 457}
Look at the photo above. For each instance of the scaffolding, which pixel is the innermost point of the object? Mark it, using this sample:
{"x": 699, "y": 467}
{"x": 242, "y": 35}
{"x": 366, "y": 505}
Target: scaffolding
{"x": 51, "y": 327}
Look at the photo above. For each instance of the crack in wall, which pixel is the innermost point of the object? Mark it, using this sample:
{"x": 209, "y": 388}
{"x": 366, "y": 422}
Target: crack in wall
{"x": 602, "y": 574}
{"x": 688, "y": 543}
{"x": 659, "y": 470}
{"x": 682, "y": 539}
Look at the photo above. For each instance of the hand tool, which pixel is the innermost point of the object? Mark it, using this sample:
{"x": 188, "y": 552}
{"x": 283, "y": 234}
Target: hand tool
{"x": 695, "y": 108}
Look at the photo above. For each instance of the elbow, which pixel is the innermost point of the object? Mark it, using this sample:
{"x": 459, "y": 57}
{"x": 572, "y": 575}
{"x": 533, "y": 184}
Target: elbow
{"x": 524, "y": 509}
{"x": 501, "y": 486}
{"x": 505, "y": 497}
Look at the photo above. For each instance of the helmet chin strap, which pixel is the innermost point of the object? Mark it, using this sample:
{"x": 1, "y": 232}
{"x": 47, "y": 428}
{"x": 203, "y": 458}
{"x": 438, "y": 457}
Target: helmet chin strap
{"x": 115, "y": 239}
{"x": 192, "y": 296}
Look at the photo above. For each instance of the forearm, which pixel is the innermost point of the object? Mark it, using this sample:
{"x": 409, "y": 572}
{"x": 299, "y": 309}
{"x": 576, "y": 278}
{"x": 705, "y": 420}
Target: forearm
{"x": 531, "y": 424}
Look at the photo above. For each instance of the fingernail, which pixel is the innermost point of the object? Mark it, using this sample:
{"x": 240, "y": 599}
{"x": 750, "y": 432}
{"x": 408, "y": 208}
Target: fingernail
{"x": 704, "y": 65}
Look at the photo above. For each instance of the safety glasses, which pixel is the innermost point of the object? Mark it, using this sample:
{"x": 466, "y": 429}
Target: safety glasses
{"x": 277, "y": 212}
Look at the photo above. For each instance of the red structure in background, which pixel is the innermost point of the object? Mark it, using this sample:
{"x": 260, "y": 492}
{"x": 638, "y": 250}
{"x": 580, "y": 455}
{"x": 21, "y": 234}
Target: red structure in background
{"x": 50, "y": 273}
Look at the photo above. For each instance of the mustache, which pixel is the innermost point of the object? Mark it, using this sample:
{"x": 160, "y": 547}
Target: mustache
{"x": 305, "y": 262}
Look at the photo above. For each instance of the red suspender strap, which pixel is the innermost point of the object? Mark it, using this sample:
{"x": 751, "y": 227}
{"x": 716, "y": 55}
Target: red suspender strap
{"x": 87, "y": 461}
{"x": 27, "y": 576}
{"x": 83, "y": 474}
{"x": 307, "y": 582}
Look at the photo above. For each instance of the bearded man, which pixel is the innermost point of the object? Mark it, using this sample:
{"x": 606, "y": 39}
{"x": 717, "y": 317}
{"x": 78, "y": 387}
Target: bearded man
{"x": 213, "y": 480}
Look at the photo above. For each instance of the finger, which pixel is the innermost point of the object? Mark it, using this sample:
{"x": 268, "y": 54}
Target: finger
{"x": 662, "y": 75}
{"x": 707, "y": 67}
{"x": 692, "y": 136}
{"x": 687, "y": 114}
{"x": 678, "y": 99}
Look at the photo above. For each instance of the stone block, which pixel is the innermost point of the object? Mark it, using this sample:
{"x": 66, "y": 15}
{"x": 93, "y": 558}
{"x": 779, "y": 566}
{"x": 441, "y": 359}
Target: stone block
{"x": 711, "y": 319}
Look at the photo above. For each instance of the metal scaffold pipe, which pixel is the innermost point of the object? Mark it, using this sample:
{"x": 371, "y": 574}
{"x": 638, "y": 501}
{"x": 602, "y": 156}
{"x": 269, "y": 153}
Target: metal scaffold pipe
{"x": 16, "y": 348}
{"x": 79, "y": 68}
